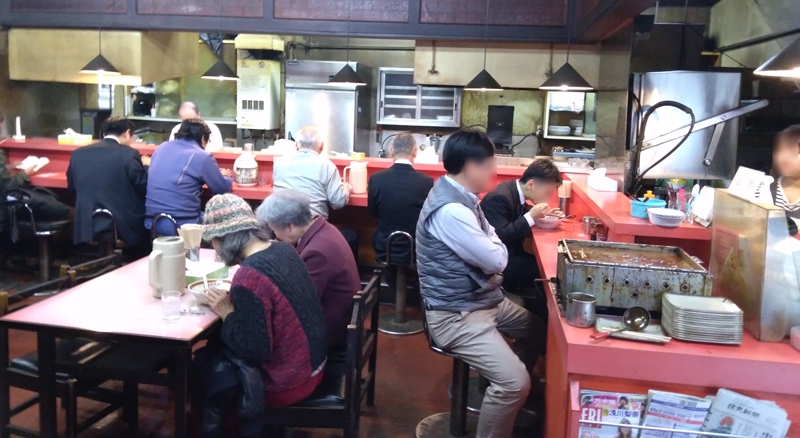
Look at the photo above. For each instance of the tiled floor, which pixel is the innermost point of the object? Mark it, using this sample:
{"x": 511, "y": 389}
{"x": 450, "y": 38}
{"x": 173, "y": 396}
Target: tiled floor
{"x": 411, "y": 384}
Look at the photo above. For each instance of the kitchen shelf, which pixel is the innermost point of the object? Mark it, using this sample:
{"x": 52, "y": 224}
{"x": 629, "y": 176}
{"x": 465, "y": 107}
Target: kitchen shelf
{"x": 177, "y": 120}
{"x": 399, "y": 96}
{"x": 584, "y": 103}
{"x": 411, "y": 110}
{"x": 400, "y": 106}
{"x": 437, "y": 108}
{"x": 569, "y": 137}
{"x": 400, "y": 87}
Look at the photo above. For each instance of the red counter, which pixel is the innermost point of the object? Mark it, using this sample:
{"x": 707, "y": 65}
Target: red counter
{"x": 764, "y": 370}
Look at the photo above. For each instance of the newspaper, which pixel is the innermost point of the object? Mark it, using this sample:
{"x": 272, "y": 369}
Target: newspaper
{"x": 736, "y": 414}
{"x": 673, "y": 411}
{"x": 610, "y": 407}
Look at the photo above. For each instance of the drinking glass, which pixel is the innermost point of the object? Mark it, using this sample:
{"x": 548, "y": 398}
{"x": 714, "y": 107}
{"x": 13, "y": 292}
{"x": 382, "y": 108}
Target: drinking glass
{"x": 171, "y": 305}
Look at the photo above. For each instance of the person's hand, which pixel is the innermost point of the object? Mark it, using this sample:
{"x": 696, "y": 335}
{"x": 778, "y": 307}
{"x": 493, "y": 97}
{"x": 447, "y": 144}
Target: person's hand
{"x": 538, "y": 211}
{"x": 219, "y": 301}
{"x": 226, "y": 172}
{"x": 30, "y": 170}
{"x": 347, "y": 188}
{"x": 145, "y": 160}
{"x": 554, "y": 212}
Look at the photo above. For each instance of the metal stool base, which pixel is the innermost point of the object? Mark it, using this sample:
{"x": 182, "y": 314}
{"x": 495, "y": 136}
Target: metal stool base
{"x": 438, "y": 426}
{"x": 387, "y": 324}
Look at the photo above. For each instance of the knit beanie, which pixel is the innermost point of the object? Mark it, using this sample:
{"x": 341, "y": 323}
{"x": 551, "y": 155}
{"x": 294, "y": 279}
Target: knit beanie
{"x": 226, "y": 214}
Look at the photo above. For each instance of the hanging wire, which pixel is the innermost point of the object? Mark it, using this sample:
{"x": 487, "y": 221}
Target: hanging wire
{"x": 569, "y": 31}
{"x": 486, "y": 35}
{"x": 348, "y": 33}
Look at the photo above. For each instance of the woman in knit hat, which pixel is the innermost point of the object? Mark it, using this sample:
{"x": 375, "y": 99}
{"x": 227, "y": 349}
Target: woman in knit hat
{"x": 272, "y": 316}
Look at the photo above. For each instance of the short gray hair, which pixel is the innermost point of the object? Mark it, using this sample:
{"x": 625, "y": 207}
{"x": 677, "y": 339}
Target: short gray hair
{"x": 404, "y": 144}
{"x": 231, "y": 245}
{"x": 191, "y": 105}
{"x": 308, "y": 138}
{"x": 285, "y": 207}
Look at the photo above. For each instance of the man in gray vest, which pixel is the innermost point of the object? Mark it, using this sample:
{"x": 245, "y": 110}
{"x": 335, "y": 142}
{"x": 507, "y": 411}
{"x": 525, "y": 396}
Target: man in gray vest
{"x": 460, "y": 261}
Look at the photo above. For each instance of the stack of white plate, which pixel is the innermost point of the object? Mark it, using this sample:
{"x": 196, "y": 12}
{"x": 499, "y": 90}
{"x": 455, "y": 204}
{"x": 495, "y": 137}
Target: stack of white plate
{"x": 558, "y": 130}
{"x": 713, "y": 320}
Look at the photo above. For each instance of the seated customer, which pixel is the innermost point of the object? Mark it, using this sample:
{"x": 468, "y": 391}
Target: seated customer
{"x": 271, "y": 319}
{"x": 324, "y": 251}
{"x": 189, "y": 110}
{"x": 395, "y": 197}
{"x": 109, "y": 174}
{"x": 178, "y": 171}
{"x": 507, "y": 211}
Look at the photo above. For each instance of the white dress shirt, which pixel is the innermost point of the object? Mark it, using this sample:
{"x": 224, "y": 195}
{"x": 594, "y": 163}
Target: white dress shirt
{"x": 528, "y": 217}
{"x": 214, "y": 140}
{"x": 456, "y": 226}
{"x": 315, "y": 175}
{"x": 403, "y": 161}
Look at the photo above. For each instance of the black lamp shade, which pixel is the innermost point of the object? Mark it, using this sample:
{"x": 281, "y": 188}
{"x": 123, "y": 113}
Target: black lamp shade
{"x": 347, "y": 76}
{"x": 100, "y": 66}
{"x": 483, "y": 82}
{"x": 785, "y": 64}
{"x": 221, "y": 72}
{"x": 566, "y": 79}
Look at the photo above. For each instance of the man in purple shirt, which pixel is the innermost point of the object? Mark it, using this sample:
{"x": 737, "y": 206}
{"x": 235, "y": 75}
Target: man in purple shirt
{"x": 178, "y": 171}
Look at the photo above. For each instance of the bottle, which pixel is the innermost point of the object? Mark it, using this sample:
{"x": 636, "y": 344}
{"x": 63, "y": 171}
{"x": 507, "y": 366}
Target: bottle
{"x": 245, "y": 167}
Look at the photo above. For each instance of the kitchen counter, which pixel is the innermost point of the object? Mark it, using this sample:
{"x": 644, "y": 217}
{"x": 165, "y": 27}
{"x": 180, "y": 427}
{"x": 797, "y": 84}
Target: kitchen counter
{"x": 763, "y": 370}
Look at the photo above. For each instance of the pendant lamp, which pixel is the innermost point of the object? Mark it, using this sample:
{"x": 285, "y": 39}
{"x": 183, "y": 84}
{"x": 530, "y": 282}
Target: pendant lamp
{"x": 566, "y": 78}
{"x": 484, "y": 81}
{"x": 100, "y": 65}
{"x": 347, "y": 76}
{"x": 785, "y": 64}
{"x": 220, "y": 71}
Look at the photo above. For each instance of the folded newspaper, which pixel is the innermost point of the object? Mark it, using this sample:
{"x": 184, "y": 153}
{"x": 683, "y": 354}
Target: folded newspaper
{"x": 736, "y": 414}
{"x": 610, "y": 407}
{"x": 669, "y": 410}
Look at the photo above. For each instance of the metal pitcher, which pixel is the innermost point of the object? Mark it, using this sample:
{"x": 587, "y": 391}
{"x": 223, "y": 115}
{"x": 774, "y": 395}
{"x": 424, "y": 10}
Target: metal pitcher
{"x": 581, "y": 309}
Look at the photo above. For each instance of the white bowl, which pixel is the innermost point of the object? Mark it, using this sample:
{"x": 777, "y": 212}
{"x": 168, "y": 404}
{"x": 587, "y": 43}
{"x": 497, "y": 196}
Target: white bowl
{"x": 548, "y": 223}
{"x": 665, "y": 217}
{"x": 197, "y": 288}
{"x": 576, "y": 123}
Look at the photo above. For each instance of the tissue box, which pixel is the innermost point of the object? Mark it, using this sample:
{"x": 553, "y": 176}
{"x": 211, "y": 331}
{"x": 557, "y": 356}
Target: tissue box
{"x": 602, "y": 183}
{"x": 78, "y": 139}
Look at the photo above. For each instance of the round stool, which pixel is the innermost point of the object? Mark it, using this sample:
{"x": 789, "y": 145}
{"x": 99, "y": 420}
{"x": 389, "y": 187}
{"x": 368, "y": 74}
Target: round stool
{"x": 400, "y": 322}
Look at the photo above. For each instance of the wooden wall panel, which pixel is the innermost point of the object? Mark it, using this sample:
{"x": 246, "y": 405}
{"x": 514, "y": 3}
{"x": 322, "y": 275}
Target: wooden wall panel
{"x": 229, "y": 8}
{"x": 70, "y": 6}
{"x": 395, "y": 11}
{"x": 501, "y": 12}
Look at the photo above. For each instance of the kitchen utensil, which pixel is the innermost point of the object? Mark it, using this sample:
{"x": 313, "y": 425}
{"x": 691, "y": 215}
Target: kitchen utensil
{"x": 587, "y": 224}
{"x": 653, "y": 333}
{"x": 548, "y": 222}
{"x": 356, "y": 175}
{"x": 562, "y": 216}
{"x": 580, "y": 309}
{"x": 246, "y": 168}
{"x": 167, "y": 265}
{"x": 665, "y": 217}
{"x": 192, "y": 235}
{"x": 636, "y": 319}
{"x": 198, "y": 288}
{"x": 639, "y": 207}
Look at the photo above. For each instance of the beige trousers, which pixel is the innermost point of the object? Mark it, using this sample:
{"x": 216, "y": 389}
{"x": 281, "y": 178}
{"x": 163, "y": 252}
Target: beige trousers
{"x": 476, "y": 337}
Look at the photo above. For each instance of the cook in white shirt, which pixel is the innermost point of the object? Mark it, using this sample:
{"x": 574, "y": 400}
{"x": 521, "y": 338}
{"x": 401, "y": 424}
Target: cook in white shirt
{"x": 189, "y": 110}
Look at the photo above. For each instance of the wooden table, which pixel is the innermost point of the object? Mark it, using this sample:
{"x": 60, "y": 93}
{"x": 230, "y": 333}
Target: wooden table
{"x": 118, "y": 306}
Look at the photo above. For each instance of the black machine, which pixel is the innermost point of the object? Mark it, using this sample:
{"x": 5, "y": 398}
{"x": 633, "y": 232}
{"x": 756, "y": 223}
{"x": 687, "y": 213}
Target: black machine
{"x": 499, "y": 125}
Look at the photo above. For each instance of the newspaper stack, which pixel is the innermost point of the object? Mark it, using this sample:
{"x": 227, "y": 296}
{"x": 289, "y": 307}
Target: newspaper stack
{"x": 673, "y": 411}
{"x": 736, "y": 414}
{"x": 714, "y": 320}
{"x": 610, "y": 407}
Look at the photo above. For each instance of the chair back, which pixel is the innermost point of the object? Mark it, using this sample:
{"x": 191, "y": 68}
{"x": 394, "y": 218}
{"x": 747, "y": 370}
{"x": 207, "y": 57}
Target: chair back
{"x": 362, "y": 346}
{"x": 14, "y": 301}
{"x": 168, "y": 217}
{"x": 400, "y": 235}
{"x": 104, "y": 212}
{"x": 92, "y": 269}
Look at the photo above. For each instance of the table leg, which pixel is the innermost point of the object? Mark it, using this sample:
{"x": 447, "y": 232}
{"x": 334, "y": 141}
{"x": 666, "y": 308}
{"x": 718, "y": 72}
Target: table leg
{"x": 48, "y": 420}
{"x": 5, "y": 400}
{"x": 183, "y": 358}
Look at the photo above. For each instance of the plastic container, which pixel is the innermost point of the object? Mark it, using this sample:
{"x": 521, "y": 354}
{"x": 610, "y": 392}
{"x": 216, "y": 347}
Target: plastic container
{"x": 794, "y": 338}
{"x": 639, "y": 208}
{"x": 665, "y": 217}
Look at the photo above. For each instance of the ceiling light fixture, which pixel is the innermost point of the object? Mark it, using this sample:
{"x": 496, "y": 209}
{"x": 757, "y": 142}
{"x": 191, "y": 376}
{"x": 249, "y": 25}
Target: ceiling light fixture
{"x": 484, "y": 81}
{"x": 100, "y": 65}
{"x": 785, "y": 64}
{"x": 347, "y": 76}
{"x": 220, "y": 71}
{"x": 566, "y": 78}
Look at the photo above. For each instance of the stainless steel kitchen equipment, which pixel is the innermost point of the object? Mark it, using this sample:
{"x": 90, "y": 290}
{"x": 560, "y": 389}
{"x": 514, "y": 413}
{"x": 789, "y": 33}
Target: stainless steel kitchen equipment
{"x": 755, "y": 263}
{"x": 403, "y": 103}
{"x": 580, "y": 309}
{"x": 622, "y": 275}
{"x": 636, "y": 319}
{"x": 340, "y": 112}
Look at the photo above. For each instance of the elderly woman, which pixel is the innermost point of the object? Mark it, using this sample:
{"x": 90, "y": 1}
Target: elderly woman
{"x": 272, "y": 318}
{"x": 324, "y": 251}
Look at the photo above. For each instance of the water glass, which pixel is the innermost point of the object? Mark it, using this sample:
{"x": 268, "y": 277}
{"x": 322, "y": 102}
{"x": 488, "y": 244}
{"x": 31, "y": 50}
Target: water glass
{"x": 171, "y": 305}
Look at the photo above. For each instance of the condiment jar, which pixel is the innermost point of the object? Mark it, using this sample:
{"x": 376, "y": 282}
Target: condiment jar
{"x": 587, "y": 224}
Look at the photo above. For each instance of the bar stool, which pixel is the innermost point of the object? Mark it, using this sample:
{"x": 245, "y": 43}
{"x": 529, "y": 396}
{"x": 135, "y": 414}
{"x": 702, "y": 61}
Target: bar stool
{"x": 104, "y": 243}
{"x": 453, "y": 423}
{"x": 400, "y": 322}
{"x": 43, "y": 231}
{"x": 160, "y": 216}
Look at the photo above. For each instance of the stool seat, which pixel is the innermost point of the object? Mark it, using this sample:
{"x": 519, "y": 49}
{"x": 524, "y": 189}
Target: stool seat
{"x": 69, "y": 352}
{"x": 331, "y": 391}
{"x": 44, "y": 226}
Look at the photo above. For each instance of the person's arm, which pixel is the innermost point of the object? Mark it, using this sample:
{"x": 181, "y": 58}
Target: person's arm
{"x": 214, "y": 179}
{"x": 458, "y": 228}
{"x": 137, "y": 174}
{"x": 244, "y": 330}
{"x": 500, "y": 215}
{"x": 8, "y": 181}
{"x": 70, "y": 178}
{"x": 316, "y": 263}
{"x": 372, "y": 198}
{"x": 337, "y": 195}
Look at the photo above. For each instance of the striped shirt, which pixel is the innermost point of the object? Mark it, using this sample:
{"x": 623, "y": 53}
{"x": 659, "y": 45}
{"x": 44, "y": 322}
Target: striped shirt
{"x": 782, "y": 201}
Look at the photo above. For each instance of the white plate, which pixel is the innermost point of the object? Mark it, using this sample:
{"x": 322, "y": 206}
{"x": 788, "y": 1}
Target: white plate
{"x": 701, "y": 304}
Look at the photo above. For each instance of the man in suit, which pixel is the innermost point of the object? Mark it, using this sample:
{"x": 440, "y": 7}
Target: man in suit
{"x": 109, "y": 174}
{"x": 395, "y": 197}
{"x": 507, "y": 211}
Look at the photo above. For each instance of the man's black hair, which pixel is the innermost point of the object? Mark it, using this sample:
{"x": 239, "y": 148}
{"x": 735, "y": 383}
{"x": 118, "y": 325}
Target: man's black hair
{"x": 195, "y": 130}
{"x": 466, "y": 145}
{"x": 541, "y": 169}
{"x": 117, "y": 126}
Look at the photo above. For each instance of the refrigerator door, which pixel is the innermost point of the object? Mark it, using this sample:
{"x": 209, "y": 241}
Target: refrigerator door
{"x": 332, "y": 112}
{"x": 707, "y": 94}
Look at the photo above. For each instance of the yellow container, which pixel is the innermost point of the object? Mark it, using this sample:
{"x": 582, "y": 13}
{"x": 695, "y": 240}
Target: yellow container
{"x": 77, "y": 139}
{"x": 357, "y": 155}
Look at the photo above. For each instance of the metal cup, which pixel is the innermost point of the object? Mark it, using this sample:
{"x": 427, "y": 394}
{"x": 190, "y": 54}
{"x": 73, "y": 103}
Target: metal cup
{"x": 193, "y": 254}
{"x": 581, "y": 309}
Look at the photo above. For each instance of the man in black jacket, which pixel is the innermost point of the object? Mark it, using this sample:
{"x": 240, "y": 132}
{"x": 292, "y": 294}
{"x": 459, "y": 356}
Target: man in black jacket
{"x": 507, "y": 211}
{"x": 109, "y": 174}
{"x": 395, "y": 197}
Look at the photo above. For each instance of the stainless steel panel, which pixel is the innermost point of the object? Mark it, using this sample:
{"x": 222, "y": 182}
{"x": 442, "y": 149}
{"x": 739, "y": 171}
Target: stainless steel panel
{"x": 332, "y": 112}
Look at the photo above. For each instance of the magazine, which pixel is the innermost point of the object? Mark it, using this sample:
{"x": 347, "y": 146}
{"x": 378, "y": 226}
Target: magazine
{"x": 736, "y": 414}
{"x": 610, "y": 407}
{"x": 674, "y": 411}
